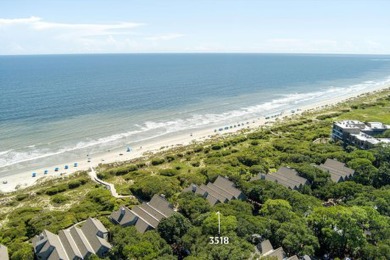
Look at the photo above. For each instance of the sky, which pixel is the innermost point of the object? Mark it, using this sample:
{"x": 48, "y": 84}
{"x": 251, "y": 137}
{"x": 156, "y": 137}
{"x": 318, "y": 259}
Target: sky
{"x": 168, "y": 26}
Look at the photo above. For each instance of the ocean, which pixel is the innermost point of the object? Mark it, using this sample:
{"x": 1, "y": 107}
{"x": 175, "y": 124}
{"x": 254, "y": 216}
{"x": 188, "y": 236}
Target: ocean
{"x": 57, "y": 108}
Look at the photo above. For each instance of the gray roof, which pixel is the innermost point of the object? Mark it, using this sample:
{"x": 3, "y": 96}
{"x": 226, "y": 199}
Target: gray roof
{"x": 81, "y": 241}
{"x": 213, "y": 193}
{"x": 49, "y": 246}
{"x": 143, "y": 213}
{"x": 278, "y": 253}
{"x": 145, "y": 216}
{"x": 69, "y": 244}
{"x": 3, "y": 252}
{"x": 267, "y": 249}
{"x": 162, "y": 205}
{"x": 222, "y": 190}
{"x": 73, "y": 243}
{"x": 337, "y": 170}
{"x": 124, "y": 216}
{"x": 142, "y": 226}
{"x": 294, "y": 257}
{"x": 94, "y": 231}
{"x": 287, "y": 177}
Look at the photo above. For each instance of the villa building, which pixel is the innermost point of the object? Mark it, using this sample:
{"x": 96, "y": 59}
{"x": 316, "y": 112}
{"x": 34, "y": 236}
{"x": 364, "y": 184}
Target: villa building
{"x": 144, "y": 217}
{"x": 221, "y": 191}
{"x": 285, "y": 176}
{"x": 337, "y": 170}
{"x": 266, "y": 250}
{"x": 74, "y": 243}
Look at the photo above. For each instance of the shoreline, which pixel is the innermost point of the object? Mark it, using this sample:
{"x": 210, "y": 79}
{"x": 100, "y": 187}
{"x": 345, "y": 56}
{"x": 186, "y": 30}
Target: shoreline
{"x": 24, "y": 180}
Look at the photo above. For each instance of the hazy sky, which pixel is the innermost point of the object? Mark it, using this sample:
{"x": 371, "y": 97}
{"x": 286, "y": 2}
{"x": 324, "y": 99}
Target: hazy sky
{"x": 134, "y": 26}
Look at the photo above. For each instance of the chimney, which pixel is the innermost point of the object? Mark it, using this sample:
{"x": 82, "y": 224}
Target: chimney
{"x": 122, "y": 214}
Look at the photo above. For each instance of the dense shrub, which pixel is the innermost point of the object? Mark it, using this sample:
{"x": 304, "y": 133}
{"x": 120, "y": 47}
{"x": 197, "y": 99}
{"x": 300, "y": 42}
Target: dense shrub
{"x": 170, "y": 158}
{"x": 326, "y": 116}
{"x": 168, "y": 172}
{"x": 57, "y": 189}
{"x": 157, "y": 161}
{"x": 150, "y": 185}
{"x": 21, "y": 197}
{"x": 77, "y": 183}
{"x": 216, "y": 146}
{"x": 59, "y": 198}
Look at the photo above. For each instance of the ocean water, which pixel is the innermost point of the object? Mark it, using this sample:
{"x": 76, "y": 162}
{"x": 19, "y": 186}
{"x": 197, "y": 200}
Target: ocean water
{"x": 56, "y": 108}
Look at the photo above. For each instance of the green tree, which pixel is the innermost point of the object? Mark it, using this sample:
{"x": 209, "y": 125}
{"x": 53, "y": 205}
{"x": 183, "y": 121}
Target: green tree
{"x": 297, "y": 238}
{"x": 382, "y": 176}
{"x": 364, "y": 170}
{"x": 172, "y": 229}
{"x": 21, "y": 251}
{"x": 210, "y": 224}
{"x": 339, "y": 229}
{"x": 128, "y": 243}
{"x": 192, "y": 205}
{"x": 278, "y": 209}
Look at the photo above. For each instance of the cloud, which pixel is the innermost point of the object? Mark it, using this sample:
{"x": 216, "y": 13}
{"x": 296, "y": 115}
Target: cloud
{"x": 38, "y": 24}
{"x": 37, "y": 35}
{"x": 30, "y": 20}
{"x": 165, "y": 37}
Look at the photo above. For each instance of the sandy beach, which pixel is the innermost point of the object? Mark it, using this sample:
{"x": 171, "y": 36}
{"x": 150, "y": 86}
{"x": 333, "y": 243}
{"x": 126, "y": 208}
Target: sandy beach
{"x": 22, "y": 180}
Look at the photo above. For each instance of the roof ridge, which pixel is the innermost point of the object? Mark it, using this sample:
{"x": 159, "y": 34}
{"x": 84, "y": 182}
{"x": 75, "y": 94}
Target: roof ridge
{"x": 156, "y": 209}
{"x": 213, "y": 185}
{"x": 66, "y": 233}
{"x": 144, "y": 218}
{"x": 86, "y": 239}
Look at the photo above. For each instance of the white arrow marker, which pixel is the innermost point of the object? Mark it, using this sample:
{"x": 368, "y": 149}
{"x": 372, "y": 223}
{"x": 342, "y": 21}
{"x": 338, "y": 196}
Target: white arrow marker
{"x": 219, "y": 223}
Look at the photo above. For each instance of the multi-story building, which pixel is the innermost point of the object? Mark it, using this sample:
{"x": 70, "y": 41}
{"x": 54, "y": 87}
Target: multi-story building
{"x": 357, "y": 133}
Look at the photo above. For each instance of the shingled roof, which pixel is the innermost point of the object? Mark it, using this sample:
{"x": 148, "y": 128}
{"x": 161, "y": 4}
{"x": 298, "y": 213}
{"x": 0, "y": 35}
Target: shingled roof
{"x": 337, "y": 170}
{"x": 221, "y": 191}
{"x": 3, "y": 252}
{"x": 146, "y": 216}
{"x": 285, "y": 176}
{"x": 267, "y": 249}
{"x": 73, "y": 243}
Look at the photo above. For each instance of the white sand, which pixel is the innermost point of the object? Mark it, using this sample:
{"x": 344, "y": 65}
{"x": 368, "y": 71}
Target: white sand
{"x": 25, "y": 179}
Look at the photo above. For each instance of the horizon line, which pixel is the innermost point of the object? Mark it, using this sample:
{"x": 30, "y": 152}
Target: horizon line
{"x": 136, "y": 53}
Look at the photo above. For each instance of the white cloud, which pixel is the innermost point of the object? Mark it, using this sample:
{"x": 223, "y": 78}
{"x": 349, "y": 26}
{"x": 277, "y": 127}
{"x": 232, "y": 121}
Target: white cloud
{"x": 30, "y": 20}
{"x": 37, "y": 23}
{"x": 165, "y": 37}
{"x": 54, "y": 37}
{"x": 40, "y": 25}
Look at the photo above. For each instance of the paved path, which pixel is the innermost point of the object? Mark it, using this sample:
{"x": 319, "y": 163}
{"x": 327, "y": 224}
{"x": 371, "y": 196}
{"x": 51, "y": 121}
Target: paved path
{"x": 109, "y": 186}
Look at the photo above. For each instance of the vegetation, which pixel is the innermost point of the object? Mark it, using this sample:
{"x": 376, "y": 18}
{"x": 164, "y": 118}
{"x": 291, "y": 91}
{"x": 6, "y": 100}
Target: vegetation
{"x": 347, "y": 219}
